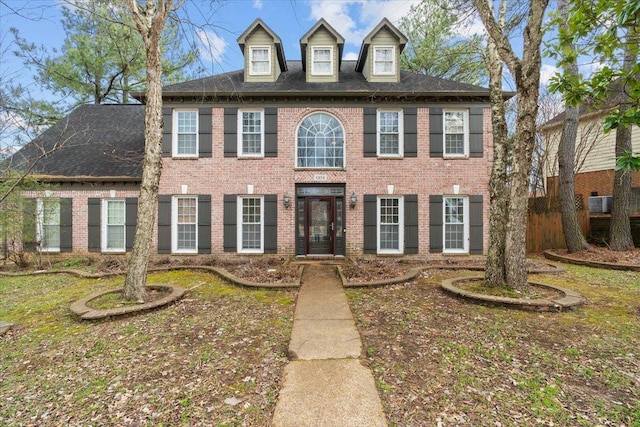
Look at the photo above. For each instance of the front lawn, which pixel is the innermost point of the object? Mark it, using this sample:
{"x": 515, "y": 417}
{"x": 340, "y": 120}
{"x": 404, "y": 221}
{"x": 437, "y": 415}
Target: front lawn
{"x": 214, "y": 358}
{"x": 436, "y": 358}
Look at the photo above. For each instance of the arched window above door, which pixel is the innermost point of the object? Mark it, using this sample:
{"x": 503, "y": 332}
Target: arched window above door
{"x": 320, "y": 142}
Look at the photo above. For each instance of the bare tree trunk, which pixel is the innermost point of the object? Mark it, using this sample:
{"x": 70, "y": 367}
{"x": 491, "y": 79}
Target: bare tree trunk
{"x": 573, "y": 236}
{"x": 526, "y": 73}
{"x": 495, "y": 273}
{"x": 620, "y": 227}
{"x": 149, "y": 22}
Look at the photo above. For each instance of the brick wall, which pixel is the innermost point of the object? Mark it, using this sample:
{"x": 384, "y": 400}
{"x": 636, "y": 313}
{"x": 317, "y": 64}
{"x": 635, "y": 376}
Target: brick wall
{"x": 588, "y": 182}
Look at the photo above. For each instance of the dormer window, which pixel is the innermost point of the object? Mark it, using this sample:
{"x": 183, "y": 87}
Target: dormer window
{"x": 322, "y": 64}
{"x": 260, "y": 60}
{"x": 384, "y": 60}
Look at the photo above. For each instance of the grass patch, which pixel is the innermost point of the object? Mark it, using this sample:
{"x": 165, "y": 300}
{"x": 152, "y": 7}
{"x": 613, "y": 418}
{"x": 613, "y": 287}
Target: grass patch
{"x": 174, "y": 366}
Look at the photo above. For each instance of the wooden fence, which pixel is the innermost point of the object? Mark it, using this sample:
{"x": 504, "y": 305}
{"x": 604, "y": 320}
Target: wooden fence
{"x": 544, "y": 225}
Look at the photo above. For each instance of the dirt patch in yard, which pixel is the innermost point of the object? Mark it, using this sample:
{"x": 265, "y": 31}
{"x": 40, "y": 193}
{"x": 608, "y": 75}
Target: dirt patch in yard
{"x": 604, "y": 254}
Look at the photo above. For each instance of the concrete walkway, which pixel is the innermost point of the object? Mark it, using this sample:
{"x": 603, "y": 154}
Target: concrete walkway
{"x": 325, "y": 384}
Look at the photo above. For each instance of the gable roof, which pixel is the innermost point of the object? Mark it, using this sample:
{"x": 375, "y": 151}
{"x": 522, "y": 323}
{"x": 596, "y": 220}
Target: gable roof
{"x": 93, "y": 141}
{"x": 304, "y": 40}
{"x": 259, "y": 23}
{"x": 351, "y": 84}
{"x": 364, "y": 49}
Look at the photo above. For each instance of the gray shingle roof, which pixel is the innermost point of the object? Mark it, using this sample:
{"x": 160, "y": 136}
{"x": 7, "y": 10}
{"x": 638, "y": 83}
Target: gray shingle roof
{"x": 93, "y": 141}
{"x": 351, "y": 83}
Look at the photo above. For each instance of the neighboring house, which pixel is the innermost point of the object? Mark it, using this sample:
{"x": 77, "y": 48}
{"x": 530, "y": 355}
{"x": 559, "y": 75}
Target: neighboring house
{"x": 317, "y": 157}
{"x": 595, "y": 157}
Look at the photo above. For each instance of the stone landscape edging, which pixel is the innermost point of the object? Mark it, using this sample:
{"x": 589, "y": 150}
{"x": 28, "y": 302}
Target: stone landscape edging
{"x": 85, "y": 312}
{"x": 569, "y": 299}
{"x": 595, "y": 264}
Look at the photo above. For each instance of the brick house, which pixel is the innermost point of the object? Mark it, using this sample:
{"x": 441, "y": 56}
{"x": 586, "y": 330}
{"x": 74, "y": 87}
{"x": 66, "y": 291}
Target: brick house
{"x": 315, "y": 157}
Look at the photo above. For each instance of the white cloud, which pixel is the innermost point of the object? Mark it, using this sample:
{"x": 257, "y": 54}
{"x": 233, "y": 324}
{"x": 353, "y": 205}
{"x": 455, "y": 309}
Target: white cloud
{"x": 212, "y": 46}
{"x": 470, "y": 27}
{"x": 257, "y": 4}
{"x": 546, "y": 72}
{"x": 354, "y": 19}
{"x": 350, "y": 56}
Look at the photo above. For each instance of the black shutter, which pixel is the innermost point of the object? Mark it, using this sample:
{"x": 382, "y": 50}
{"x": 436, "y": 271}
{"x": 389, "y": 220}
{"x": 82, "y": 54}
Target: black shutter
{"x": 410, "y": 132}
{"x": 435, "y": 223}
{"x": 475, "y": 132}
{"x": 370, "y": 123}
{"x": 93, "y": 225}
{"x": 411, "y": 224}
{"x": 370, "y": 224}
{"x": 204, "y": 224}
{"x": 436, "y": 132}
{"x": 230, "y": 219}
{"x": 271, "y": 132}
{"x": 230, "y": 132}
{"x": 270, "y": 224}
{"x": 167, "y": 134}
{"x": 204, "y": 131}
{"x": 164, "y": 224}
{"x": 29, "y": 224}
{"x": 476, "y": 243}
{"x": 130, "y": 220}
{"x": 66, "y": 225}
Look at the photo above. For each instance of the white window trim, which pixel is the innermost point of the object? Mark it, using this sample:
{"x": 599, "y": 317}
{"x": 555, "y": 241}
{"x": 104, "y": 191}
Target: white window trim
{"x": 465, "y": 154}
{"x": 400, "y": 132}
{"x": 240, "y": 133}
{"x": 313, "y": 62}
{"x": 174, "y": 225}
{"x": 103, "y": 226}
{"x": 393, "y": 61}
{"x": 253, "y": 72}
{"x": 40, "y": 224}
{"x": 466, "y": 235}
{"x": 344, "y": 145}
{"x": 174, "y": 144}
{"x": 400, "y": 249}
{"x": 240, "y": 225}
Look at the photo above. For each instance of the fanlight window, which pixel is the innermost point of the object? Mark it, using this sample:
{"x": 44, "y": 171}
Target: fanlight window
{"x": 320, "y": 142}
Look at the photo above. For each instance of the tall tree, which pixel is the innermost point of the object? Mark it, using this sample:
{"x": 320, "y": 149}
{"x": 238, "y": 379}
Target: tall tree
{"x": 102, "y": 57}
{"x": 573, "y": 236}
{"x": 607, "y": 30}
{"x": 526, "y": 73}
{"x": 435, "y": 46}
{"x": 150, "y": 19}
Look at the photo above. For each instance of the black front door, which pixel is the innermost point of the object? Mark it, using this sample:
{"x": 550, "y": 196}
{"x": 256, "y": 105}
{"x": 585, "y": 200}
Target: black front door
{"x": 320, "y": 225}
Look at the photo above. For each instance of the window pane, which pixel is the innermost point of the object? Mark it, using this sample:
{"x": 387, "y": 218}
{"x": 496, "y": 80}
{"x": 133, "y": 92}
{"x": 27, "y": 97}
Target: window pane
{"x": 320, "y": 142}
{"x": 115, "y": 236}
{"x": 50, "y": 236}
{"x": 454, "y": 130}
{"x": 50, "y": 224}
{"x": 251, "y": 223}
{"x": 186, "y": 223}
{"x": 389, "y": 223}
{"x": 187, "y": 132}
{"x": 383, "y": 61}
{"x": 454, "y": 226}
{"x": 251, "y": 132}
{"x": 260, "y": 60}
{"x": 115, "y": 212}
{"x": 115, "y": 227}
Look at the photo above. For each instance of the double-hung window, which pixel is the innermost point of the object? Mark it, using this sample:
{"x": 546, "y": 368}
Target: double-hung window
{"x": 390, "y": 133}
{"x": 260, "y": 60}
{"x": 48, "y": 229}
{"x": 114, "y": 227}
{"x": 185, "y": 225}
{"x": 251, "y": 221}
{"x": 251, "y": 135}
{"x": 456, "y": 133}
{"x": 390, "y": 225}
{"x": 185, "y": 133}
{"x": 456, "y": 224}
{"x": 384, "y": 63}
{"x": 322, "y": 61}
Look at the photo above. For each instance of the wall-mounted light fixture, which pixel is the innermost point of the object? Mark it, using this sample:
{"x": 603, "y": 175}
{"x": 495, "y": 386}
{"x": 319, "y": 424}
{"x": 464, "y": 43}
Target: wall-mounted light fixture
{"x": 353, "y": 200}
{"x": 286, "y": 201}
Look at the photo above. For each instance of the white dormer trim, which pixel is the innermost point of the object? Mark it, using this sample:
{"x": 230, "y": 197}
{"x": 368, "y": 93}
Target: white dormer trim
{"x": 314, "y": 62}
{"x": 252, "y": 70}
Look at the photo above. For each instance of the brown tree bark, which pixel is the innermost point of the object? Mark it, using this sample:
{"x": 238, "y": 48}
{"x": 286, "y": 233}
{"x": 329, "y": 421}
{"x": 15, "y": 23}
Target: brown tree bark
{"x": 150, "y": 21}
{"x": 573, "y": 236}
{"x": 620, "y": 226}
{"x": 526, "y": 72}
{"x": 495, "y": 273}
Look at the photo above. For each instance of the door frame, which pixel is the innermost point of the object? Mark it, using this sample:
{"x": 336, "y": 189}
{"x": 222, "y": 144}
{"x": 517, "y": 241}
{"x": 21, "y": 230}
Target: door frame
{"x": 308, "y": 191}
